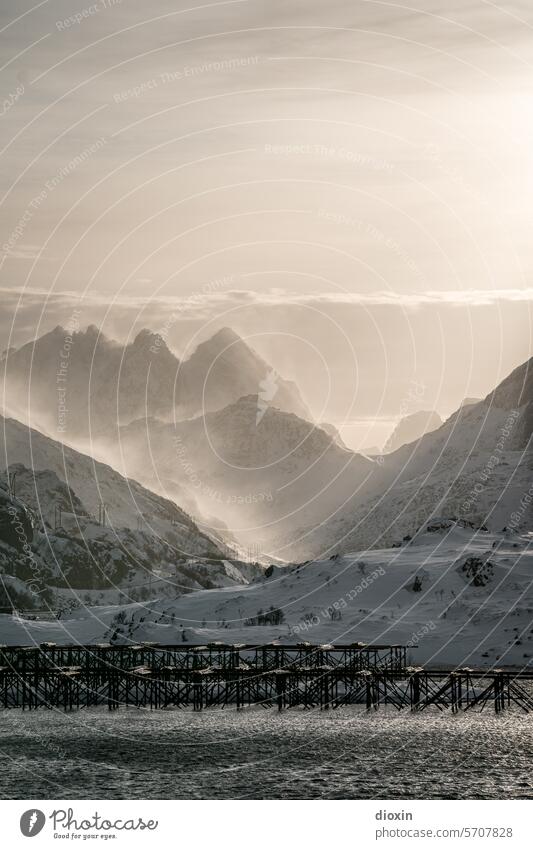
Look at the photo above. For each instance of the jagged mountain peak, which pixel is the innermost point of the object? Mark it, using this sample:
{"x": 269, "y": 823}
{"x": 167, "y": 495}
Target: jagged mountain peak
{"x": 225, "y": 335}
{"x": 149, "y": 342}
{"x": 58, "y": 332}
{"x": 109, "y": 383}
{"x": 93, "y": 338}
{"x": 225, "y": 368}
{"x": 225, "y": 344}
{"x": 145, "y": 335}
{"x": 93, "y": 330}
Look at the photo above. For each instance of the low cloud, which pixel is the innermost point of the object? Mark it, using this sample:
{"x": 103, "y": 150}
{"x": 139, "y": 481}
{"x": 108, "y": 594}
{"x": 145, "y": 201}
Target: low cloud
{"x": 202, "y": 305}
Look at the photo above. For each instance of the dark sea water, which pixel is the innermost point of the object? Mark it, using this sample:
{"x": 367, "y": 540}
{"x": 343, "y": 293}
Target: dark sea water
{"x": 343, "y": 754}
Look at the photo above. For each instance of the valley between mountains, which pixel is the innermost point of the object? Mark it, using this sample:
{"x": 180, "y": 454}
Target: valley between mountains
{"x": 198, "y": 500}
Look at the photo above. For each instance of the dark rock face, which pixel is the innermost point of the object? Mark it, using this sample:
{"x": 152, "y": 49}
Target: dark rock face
{"x": 16, "y": 527}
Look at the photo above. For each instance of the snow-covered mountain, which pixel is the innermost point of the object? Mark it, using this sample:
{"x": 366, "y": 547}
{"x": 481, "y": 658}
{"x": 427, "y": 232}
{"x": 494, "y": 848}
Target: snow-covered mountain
{"x": 383, "y": 566}
{"x": 81, "y": 384}
{"x": 412, "y": 427}
{"x": 292, "y": 489}
{"x": 91, "y": 486}
{"x": 264, "y": 476}
{"x": 59, "y": 560}
{"x": 454, "y": 594}
{"x": 223, "y": 369}
{"x": 467, "y": 402}
{"x": 476, "y": 466}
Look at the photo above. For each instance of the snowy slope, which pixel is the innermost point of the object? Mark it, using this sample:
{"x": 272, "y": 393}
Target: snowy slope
{"x": 461, "y": 596}
{"x": 49, "y": 567}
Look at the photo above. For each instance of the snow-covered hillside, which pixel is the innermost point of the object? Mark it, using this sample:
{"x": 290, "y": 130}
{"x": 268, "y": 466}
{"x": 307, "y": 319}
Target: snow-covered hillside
{"x": 454, "y": 594}
{"x": 412, "y": 427}
{"x": 45, "y": 565}
{"x": 477, "y": 466}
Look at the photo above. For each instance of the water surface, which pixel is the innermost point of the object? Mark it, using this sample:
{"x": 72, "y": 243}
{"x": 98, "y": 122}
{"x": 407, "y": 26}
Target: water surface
{"x": 222, "y": 754}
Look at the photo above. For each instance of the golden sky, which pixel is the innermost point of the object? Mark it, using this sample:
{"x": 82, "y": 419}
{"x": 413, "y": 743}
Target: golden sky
{"x": 349, "y": 182}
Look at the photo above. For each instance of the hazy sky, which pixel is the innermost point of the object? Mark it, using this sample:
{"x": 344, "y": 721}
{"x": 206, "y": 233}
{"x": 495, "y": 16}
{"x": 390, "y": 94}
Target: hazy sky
{"x": 348, "y": 183}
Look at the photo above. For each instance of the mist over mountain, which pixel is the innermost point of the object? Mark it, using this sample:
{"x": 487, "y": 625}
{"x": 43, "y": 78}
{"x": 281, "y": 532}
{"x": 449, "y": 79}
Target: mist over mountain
{"x": 477, "y": 467}
{"x": 263, "y": 472}
{"x": 82, "y": 384}
{"x": 61, "y": 562}
{"x": 74, "y": 531}
{"x": 225, "y": 437}
{"x": 48, "y": 474}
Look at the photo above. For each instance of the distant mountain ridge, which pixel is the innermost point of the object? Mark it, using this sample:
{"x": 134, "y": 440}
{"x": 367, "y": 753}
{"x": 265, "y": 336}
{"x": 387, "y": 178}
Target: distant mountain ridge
{"x": 307, "y": 496}
{"x": 85, "y": 384}
{"x": 263, "y": 477}
{"x": 412, "y": 427}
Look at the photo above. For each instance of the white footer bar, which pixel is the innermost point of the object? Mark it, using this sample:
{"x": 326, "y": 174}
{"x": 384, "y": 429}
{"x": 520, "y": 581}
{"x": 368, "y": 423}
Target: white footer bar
{"x": 267, "y": 824}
